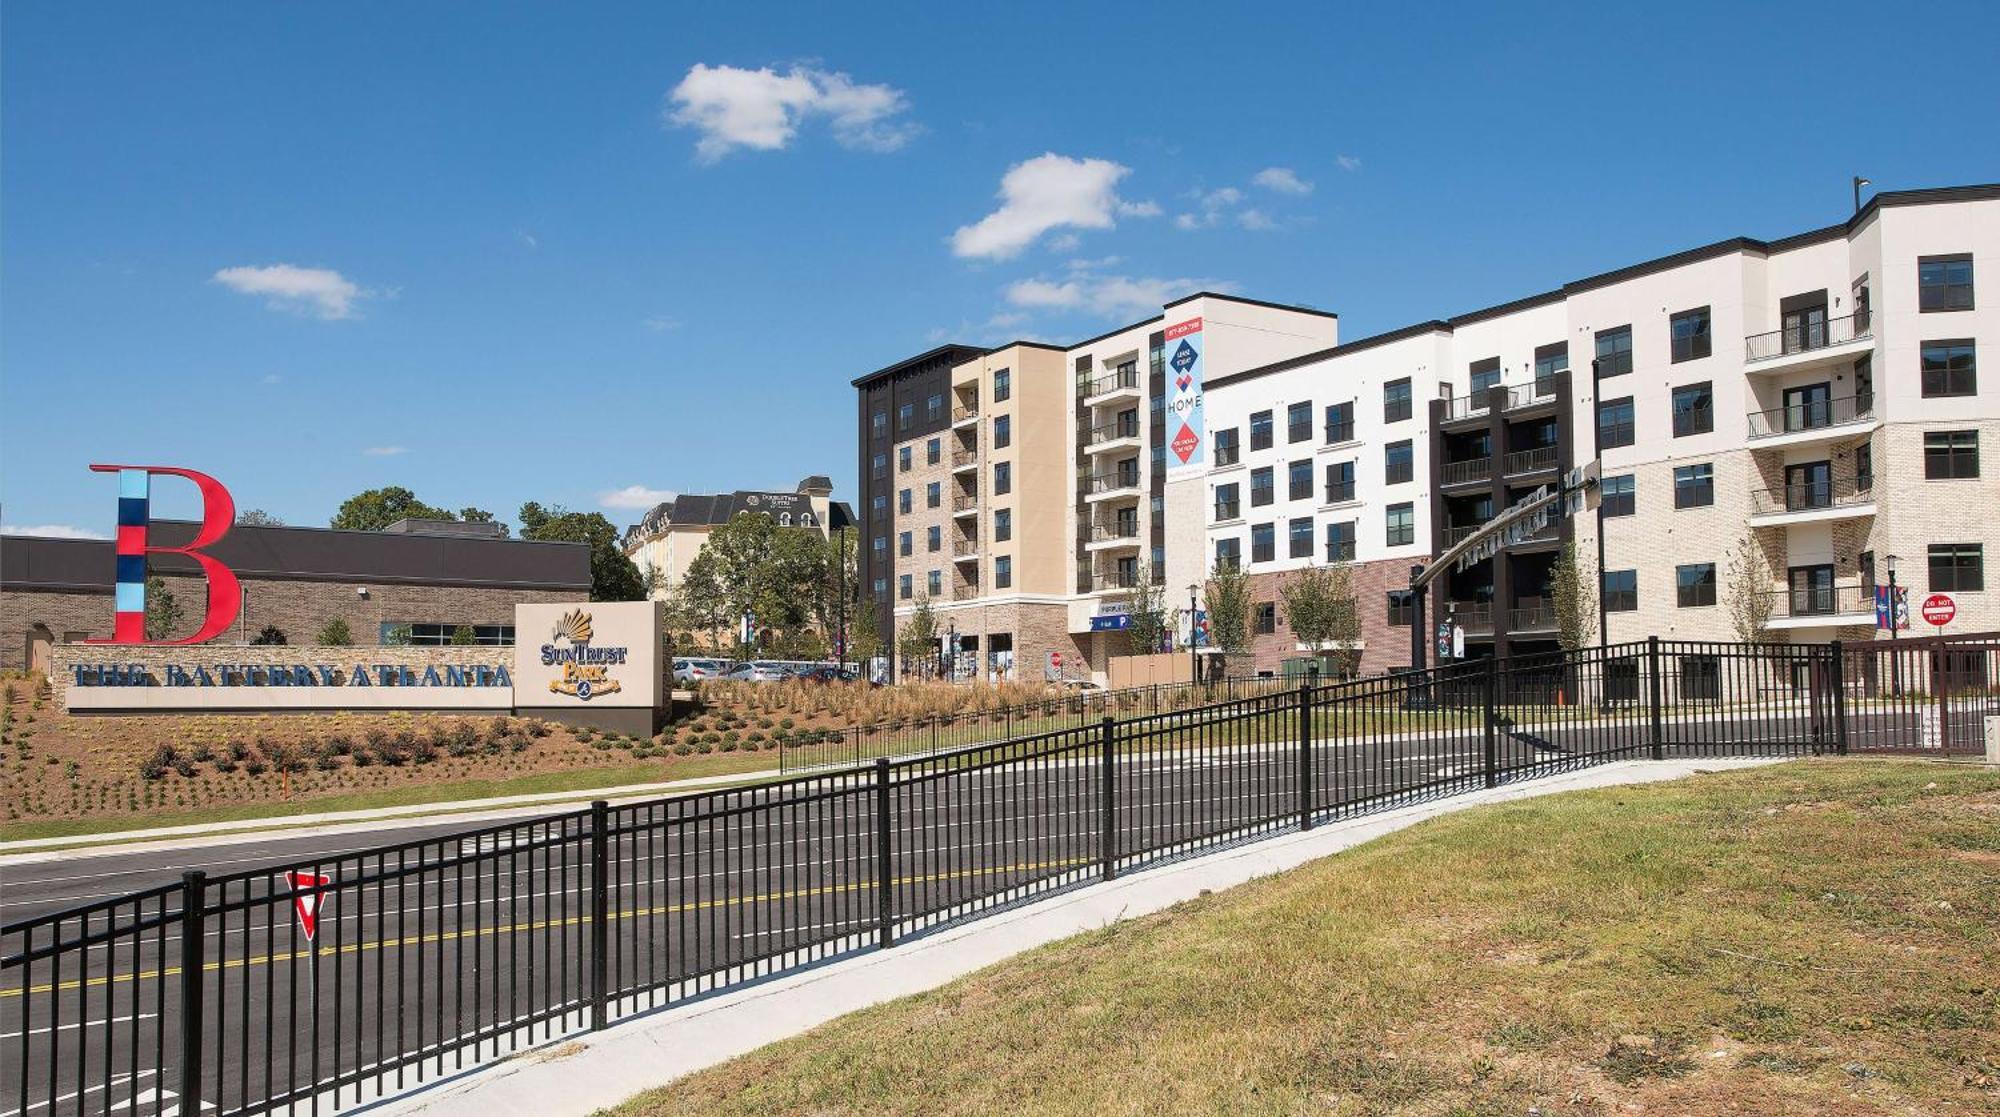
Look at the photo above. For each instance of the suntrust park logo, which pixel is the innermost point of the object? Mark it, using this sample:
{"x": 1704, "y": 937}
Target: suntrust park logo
{"x": 586, "y": 670}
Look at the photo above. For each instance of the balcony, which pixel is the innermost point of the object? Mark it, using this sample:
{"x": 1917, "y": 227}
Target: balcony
{"x": 962, "y": 549}
{"x": 1102, "y": 581}
{"x": 1465, "y": 472}
{"x": 1821, "y": 607}
{"x": 1112, "y": 537}
{"x": 1123, "y": 382}
{"x": 1839, "y": 498}
{"x": 1459, "y": 408}
{"x": 1540, "y": 393}
{"x": 1531, "y": 614}
{"x": 965, "y": 414}
{"x": 965, "y": 504}
{"x": 1475, "y": 617}
{"x": 1822, "y": 420}
{"x": 965, "y": 591}
{"x": 1801, "y": 346}
{"x": 1112, "y": 436}
{"x": 1110, "y": 486}
{"x": 1535, "y": 460}
{"x": 1454, "y": 534}
{"x": 962, "y": 460}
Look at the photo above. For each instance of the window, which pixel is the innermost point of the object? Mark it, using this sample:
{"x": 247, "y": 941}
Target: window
{"x": 1003, "y": 431}
{"x": 1227, "y": 507}
{"x": 1867, "y": 564}
{"x": 1339, "y": 422}
{"x": 879, "y": 506}
{"x": 1003, "y": 571}
{"x": 1228, "y": 554}
{"x": 1340, "y": 541}
{"x": 1263, "y": 543}
{"x": 1951, "y": 455}
{"x": 1614, "y": 351}
{"x": 1949, "y": 369}
{"x": 934, "y": 408}
{"x": 1690, "y": 334}
{"x": 878, "y": 467}
{"x": 904, "y": 543}
{"x": 1003, "y": 525}
{"x": 1267, "y": 618}
{"x": 1398, "y": 462}
{"x": 1701, "y": 678}
{"x": 1614, "y": 423}
{"x": 1694, "y": 409}
{"x": 1618, "y": 496}
{"x": 881, "y": 587}
{"x": 903, "y": 501}
{"x": 933, "y": 451}
{"x": 1695, "y": 584}
{"x": 881, "y": 548}
{"x": 1485, "y": 374}
{"x": 1396, "y": 400}
{"x": 934, "y": 538}
{"x": 1694, "y": 486}
{"x": 1339, "y": 482}
{"x": 1399, "y": 608}
{"x": 1402, "y": 524}
{"x": 1300, "y": 480}
{"x": 1299, "y": 538}
{"x": 1864, "y": 467}
{"x": 1262, "y": 487}
{"x": 903, "y": 459}
{"x": 440, "y": 633}
{"x": 933, "y": 494}
{"x": 1003, "y": 386}
{"x": 934, "y": 583}
{"x": 1549, "y": 360}
{"x": 878, "y": 424}
{"x": 1957, "y": 566}
{"x": 1299, "y": 422}
{"x": 1621, "y": 591}
{"x": 1003, "y": 478}
{"x": 906, "y": 417}
{"x": 904, "y": 585}
{"x": 1260, "y": 431}
{"x": 1944, "y": 282}
{"x": 1226, "y": 450}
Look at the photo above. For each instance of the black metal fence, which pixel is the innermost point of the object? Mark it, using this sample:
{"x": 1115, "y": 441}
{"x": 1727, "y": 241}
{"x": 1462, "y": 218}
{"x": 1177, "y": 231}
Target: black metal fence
{"x": 218, "y": 994}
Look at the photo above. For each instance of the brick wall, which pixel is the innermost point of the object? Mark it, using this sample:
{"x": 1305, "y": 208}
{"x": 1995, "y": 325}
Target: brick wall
{"x": 1383, "y": 645}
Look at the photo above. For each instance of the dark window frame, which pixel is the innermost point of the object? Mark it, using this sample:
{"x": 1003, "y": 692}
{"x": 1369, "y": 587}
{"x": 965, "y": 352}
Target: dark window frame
{"x": 1945, "y": 381}
{"x": 1299, "y": 479}
{"x": 1694, "y": 585}
{"x": 1396, "y": 472}
{"x": 1299, "y": 422}
{"x": 1396, "y": 401}
{"x": 1261, "y": 432}
{"x": 1694, "y": 485}
{"x": 1263, "y": 486}
{"x": 1938, "y": 296}
{"x": 1403, "y": 534}
{"x": 1624, "y": 596}
{"x": 1694, "y": 409}
{"x": 1611, "y": 358}
{"x": 1618, "y": 495}
{"x": 1694, "y": 343}
{"x": 1620, "y": 433}
{"x": 1956, "y": 567}
{"x": 1951, "y": 455}
{"x": 1263, "y": 542}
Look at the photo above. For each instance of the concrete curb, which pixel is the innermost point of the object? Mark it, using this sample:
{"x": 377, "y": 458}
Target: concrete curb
{"x": 582, "y": 1075}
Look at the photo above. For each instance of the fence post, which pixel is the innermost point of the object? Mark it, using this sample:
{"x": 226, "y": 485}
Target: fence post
{"x": 1107, "y": 731}
{"x": 1492, "y": 717}
{"x": 1653, "y": 675}
{"x": 1305, "y": 751}
{"x": 194, "y": 919}
{"x": 1839, "y": 671}
{"x": 885, "y": 860}
{"x": 600, "y": 915}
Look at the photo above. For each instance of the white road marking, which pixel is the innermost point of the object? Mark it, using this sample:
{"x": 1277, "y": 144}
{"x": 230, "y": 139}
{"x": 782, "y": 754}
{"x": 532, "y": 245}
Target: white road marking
{"x": 79, "y": 1024}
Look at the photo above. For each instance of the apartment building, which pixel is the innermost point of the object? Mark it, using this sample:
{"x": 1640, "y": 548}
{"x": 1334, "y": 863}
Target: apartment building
{"x": 666, "y": 540}
{"x": 1816, "y": 395}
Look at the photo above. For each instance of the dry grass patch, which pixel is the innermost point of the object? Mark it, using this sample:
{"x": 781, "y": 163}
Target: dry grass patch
{"x": 1816, "y": 938}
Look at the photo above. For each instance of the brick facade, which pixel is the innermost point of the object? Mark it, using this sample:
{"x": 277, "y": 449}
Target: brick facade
{"x": 1383, "y": 645}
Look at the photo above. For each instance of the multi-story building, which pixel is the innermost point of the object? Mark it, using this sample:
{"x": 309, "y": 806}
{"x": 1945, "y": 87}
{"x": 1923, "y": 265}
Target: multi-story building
{"x": 1817, "y": 396}
{"x": 667, "y": 539}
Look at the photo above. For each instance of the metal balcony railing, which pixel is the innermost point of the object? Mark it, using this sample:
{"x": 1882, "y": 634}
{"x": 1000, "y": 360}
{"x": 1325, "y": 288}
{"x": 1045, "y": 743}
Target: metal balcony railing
{"x": 1112, "y": 431}
{"x": 1475, "y": 617}
{"x": 1465, "y": 407}
{"x": 962, "y": 458}
{"x": 964, "y": 548}
{"x": 1228, "y": 510}
{"x": 964, "y": 502}
{"x": 1806, "y": 338}
{"x": 1110, "y": 482}
{"x": 1530, "y": 461}
{"x": 1089, "y": 582}
{"x": 1813, "y": 496}
{"x": 1541, "y": 390}
{"x": 1531, "y": 614}
{"x": 1821, "y": 601}
{"x": 1812, "y": 415}
{"x": 1124, "y": 378}
{"x": 1465, "y": 472}
{"x": 1337, "y": 491}
{"x": 965, "y": 411}
{"x": 1455, "y": 534}
{"x": 1105, "y": 533}
{"x": 1340, "y": 432}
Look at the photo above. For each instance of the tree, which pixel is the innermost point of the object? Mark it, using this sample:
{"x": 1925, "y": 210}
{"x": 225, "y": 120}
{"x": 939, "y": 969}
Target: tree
{"x": 463, "y": 637}
{"x": 1573, "y": 593}
{"x": 335, "y": 634}
{"x": 163, "y": 613}
{"x": 918, "y": 642}
{"x": 269, "y": 636}
{"x": 1321, "y": 609}
{"x": 612, "y": 575}
{"x": 397, "y": 637}
{"x": 1749, "y": 600}
{"x": 376, "y": 509}
{"x": 1226, "y": 599}
{"x": 1148, "y": 616}
{"x": 257, "y": 517}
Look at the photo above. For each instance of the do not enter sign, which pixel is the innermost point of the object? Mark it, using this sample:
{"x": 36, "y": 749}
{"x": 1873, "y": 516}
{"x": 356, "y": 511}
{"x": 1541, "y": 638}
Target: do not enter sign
{"x": 1939, "y": 609}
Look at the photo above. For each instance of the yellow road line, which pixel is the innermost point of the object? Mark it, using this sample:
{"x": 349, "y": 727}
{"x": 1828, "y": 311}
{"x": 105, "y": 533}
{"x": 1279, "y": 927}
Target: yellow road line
{"x": 536, "y": 925}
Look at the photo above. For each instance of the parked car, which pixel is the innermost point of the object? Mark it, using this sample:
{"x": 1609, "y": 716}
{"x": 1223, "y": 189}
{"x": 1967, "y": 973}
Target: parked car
{"x": 688, "y": 669}
{"x": 828, "y": 673}
{"x": 759, "y": 671}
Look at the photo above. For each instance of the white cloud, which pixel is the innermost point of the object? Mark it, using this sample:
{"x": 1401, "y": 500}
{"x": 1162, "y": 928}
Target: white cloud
{"x": 1106, "y": 295}
{"x": 1256, "y": 220}
{"x": 1348, "y": 162}
{"x": 527, "y": 239}
{"x": 1065, "y": 242}
{"x": 662, "y": 323}
{"x": 762, "y": 109}
{"x": 1210, "y": 207}
{"x": 635, "y": 496}
{"x": 1283, "y": 180}
{"x": 386, "y": 451}
{"x": 1048, "y": 192}
{"x": 52, "y": 531}
{"x": 319, "y": 291}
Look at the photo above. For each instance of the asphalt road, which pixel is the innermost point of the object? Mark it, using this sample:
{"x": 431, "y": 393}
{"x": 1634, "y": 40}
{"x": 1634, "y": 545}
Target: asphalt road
{"x": 443, "y": 937}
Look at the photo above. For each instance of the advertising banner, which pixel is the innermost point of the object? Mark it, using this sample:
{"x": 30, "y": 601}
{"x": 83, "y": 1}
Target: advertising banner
{"x": 1187, "y": 436}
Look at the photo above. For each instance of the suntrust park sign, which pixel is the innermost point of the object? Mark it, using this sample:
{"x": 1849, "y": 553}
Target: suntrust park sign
{"x": 569, "y": 658}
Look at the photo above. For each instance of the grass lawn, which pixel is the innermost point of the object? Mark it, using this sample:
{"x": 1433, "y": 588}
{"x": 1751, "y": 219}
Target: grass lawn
{"x": 1816, "y": 938}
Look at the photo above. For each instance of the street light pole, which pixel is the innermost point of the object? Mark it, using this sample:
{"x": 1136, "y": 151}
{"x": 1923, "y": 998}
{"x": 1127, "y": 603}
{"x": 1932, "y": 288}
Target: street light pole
{"x": 840, "y": 596}
{"x": 1895, "y": 622}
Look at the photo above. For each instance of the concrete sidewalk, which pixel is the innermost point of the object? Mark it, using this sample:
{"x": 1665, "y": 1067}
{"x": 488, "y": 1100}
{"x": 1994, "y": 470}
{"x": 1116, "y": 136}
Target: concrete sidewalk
{"x": 581, "y": 1075}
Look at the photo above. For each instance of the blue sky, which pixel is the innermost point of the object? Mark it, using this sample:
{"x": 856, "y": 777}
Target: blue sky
{"x": 567, "y": 252}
